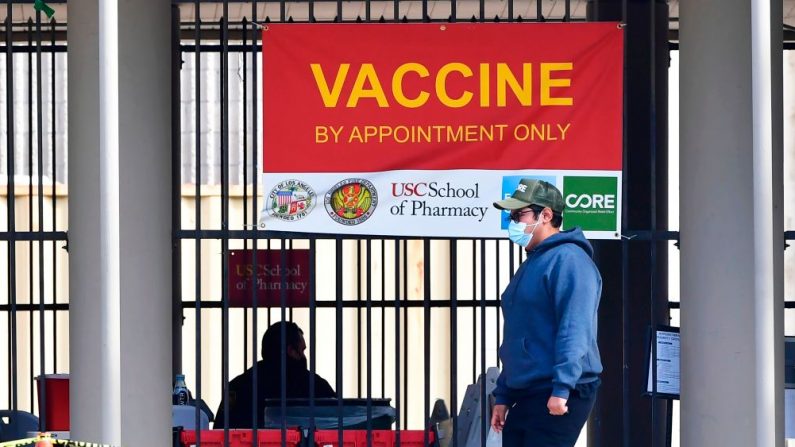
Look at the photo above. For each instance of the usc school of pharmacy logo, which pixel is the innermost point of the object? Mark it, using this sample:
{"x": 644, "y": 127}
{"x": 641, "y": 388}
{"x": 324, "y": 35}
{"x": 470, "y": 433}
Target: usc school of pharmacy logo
{"x": 291, "y": 200}
{"x": 351, "y": 201}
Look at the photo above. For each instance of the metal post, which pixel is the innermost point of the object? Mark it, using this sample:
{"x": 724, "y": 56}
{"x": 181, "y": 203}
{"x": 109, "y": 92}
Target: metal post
{"x": 632, "y": 297}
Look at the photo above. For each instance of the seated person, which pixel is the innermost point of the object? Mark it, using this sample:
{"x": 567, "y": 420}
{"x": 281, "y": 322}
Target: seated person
{"x": 269, "y": 378}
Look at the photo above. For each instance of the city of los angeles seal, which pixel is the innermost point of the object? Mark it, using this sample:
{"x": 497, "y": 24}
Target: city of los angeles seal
{"x": 351, "y": 201}
{"x": 291, "y": 200}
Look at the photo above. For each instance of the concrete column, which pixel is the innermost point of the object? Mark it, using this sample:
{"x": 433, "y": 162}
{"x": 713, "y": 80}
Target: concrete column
{"x": 145, "y": 220}
{"x": 120, "y": 221}
{"x": 94, "y": 334}
{"x": 731, "y": 215}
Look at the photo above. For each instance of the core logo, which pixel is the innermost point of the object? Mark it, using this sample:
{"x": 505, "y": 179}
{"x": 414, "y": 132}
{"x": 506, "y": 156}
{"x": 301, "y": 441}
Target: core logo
{"x": 587, "y": 201}
{"x": 591, "y": 203}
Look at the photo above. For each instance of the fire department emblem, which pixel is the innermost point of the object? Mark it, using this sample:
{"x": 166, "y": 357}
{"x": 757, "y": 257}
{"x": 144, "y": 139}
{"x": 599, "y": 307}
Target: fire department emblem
{"x": 351, "y": 201}
{"x": 291, "y": 200}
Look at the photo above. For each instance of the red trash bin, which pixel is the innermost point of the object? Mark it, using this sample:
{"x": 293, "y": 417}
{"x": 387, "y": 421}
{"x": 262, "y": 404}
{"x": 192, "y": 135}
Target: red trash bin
{"x": 54, "y": 400}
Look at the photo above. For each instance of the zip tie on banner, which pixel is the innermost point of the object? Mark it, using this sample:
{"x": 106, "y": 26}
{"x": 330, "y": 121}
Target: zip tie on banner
{"x": 629, "y": 238}
{"x": 260, "y": 25}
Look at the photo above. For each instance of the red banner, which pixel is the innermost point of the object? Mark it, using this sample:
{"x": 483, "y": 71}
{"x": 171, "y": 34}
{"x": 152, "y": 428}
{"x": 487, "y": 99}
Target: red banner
{"x": 273, "y": 275}
{"x": 381, "y": 97}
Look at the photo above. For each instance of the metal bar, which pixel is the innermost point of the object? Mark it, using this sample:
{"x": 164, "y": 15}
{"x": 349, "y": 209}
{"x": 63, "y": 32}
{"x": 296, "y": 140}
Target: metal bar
{"x": 19, "y": 308}
{"x": 454, "y": 339}
{"x": 198, "y": 220}
{"x": 539, "y": 12}
{"x": 474, "y": 313}
{"x": 20, "y": 236}
{"x": 397, "y": 342}
{"x": 625, "y": 373}
{"x": 270, "y": 234}
{"x": 483, "y": 404}
{"x": 254, "y": 242}
{"x": 653, "y": 204}
{"x": 369, "y": 339}
{"x": 11, "y": 210}
{"x": 40, "y": 168}
{"x": 406, "y": 334}
{"x": 312, "y": 337}
{"x": 177, "y": 313}
{"x": 235, "y": 34}
{"x": 396, "y": 10}
{"x": 338, "y": 338}
{"x": 625, "y": 301}
{"x": 351, "y": 303}
{"x": 225, "y": 211}
{"x": 245, "y": 189}
{"x": 383, "y": 319}
{"x": 426, "y": 301}
{"x": 30, "y": 204}
{"x": 511, "y": 260}
{"x": 497, "y": 297}
{"x": 54, "y": 146}
{"x": 283, "y": 305}
{"x": 60, "y": 307}
{"x": 359, "y": 318}
{"x": 27, "y": 48}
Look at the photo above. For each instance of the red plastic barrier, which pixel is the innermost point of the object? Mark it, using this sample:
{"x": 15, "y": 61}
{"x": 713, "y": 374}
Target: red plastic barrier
{"x": 380, "y": 438}
{"x": 241, "y": 438}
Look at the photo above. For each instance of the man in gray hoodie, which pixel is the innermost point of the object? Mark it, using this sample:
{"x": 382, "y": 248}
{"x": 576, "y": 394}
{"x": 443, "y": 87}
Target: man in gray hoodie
{"x": 551, "y": 362}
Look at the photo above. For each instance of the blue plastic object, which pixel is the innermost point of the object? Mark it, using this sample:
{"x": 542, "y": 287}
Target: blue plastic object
{"x": 16, "y": 424}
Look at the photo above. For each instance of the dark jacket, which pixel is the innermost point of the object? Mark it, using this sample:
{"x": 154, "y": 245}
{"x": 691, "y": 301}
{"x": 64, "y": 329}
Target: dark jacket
{"x": 550, "y": 310}
{"x": 241, "y": 391}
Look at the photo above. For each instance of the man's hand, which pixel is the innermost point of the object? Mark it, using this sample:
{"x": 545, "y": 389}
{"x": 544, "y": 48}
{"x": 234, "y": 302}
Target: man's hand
{"x": 557, "y": 406}
{"x": 498, "y": 417}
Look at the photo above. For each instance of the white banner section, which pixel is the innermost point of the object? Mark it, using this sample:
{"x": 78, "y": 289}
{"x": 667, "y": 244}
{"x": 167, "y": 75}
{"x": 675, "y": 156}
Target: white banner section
{"x": 452, "y": 203}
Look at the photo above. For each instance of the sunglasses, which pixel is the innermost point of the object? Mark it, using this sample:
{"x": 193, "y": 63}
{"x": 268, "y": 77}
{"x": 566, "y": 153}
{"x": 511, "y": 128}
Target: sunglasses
{"x": 517, "y": 215}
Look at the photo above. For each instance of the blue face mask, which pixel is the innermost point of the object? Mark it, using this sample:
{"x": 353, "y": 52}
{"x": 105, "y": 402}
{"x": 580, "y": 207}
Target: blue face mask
{"x": 517, "y": 235}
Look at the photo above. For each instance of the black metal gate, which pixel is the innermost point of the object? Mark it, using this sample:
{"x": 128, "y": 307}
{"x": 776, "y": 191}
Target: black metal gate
{"x": 401, "y": 318}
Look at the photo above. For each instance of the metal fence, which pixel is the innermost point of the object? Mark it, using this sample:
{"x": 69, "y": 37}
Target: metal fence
{"x": 32, "y": 232}
{"x": 370, "y": 297}
{"x": 407, "y": 319}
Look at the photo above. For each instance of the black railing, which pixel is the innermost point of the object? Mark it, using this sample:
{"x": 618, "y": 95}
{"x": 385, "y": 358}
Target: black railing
{"x": 376, "y": 300}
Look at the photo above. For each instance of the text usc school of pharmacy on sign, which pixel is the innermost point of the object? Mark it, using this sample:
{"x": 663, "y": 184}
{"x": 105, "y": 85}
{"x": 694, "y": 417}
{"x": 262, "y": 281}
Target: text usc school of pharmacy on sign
{"x": 382, "y": 107}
